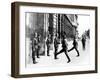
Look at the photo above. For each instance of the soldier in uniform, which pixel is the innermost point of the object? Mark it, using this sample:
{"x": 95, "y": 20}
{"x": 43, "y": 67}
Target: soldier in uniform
{"x": 38, "y": 45}
{"x": 33, "y": 53}
{"x": 48, "y": 45}
{"x": 56, "y": 42}
{"x": 64, "y": 48}
{"x": 75, "y": 45}
{"x": 35, "y": 43}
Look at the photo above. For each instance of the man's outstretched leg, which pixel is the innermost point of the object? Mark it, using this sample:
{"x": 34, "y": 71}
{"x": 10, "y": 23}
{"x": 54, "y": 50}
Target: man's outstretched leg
{"x": 77, "y": 52}
{"x": 67, "y": 57}
{"x": 71, "y": 49}
{"x": 58, "y": 53}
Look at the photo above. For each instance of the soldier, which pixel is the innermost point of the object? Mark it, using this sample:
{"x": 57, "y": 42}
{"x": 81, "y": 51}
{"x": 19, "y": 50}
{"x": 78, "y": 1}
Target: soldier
{"x": 64, "y": 48}
{"x": 56, "y": 42}
{"x": 33, "y": 53}
{"x": 48, "y": 45}
{"x": 75, "y": 45}
{"x": 38, "y": 45}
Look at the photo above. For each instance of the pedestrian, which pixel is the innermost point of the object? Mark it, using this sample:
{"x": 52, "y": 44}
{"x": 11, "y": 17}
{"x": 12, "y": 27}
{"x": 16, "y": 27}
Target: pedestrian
{"x": 48, "y": 45}
{"x": 56, "y": 43}
{"x": 83, "y": 42}
{"x": 75, "y": 46}
{"x": 64, "y": 48}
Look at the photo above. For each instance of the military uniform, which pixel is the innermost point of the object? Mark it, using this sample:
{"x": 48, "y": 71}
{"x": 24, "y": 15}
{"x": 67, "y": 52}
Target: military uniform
{"x": 48, "y": 46}
{"x": 56, "y": 42}
{"x": 64, "y": 49}
{"x": 75, "y": 46}
{"x": 33, "y": 53}
{"x": 36, "y": 47}
{"x": 38, "y": 44}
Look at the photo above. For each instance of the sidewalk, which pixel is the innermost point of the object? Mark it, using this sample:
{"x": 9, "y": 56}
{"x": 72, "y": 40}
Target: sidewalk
{"x": 50, "y": 61}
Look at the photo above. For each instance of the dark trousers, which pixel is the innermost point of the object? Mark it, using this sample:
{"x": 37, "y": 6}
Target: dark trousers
{"x": 55, "y": 52}
{"x": 48, "y": 48}
{"x": 65, "y": 51}
{"x": 37, "y": 52}
{"x": 83, "y": 43}
{"x": 33, "y": 57}
{"x": 75, "y": 49}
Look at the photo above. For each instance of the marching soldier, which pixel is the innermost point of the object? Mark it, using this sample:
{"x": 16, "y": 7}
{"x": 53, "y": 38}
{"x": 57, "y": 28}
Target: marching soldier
{"x": 75, "y": 45}
{"x": 64, "y": 48}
